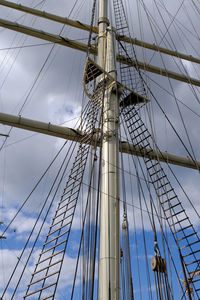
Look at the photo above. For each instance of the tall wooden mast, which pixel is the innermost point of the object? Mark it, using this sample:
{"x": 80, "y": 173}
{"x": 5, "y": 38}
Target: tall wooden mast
{"x": 109, "y": 252}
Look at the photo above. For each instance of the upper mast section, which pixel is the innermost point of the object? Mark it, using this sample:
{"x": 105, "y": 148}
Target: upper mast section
{"x": 103, "y": 23}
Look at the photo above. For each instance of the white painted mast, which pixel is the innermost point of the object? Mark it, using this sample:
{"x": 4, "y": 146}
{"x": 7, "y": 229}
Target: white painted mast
{"x": 109, "y": 252}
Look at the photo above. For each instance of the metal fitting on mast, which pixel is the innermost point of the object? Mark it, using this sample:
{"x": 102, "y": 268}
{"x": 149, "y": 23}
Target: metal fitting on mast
{"x": 103, "y": 20}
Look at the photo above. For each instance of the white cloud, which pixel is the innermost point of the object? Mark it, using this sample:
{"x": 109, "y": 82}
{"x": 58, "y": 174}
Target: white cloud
{"x": 9, "y": 258}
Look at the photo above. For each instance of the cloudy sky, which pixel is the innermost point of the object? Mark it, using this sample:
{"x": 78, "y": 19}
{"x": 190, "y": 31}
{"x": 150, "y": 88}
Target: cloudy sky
{"x": 44, "y": 82}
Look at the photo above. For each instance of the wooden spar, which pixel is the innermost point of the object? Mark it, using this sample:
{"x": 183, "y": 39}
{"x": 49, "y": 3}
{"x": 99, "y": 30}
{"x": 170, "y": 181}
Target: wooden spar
{"x": 83, "y": 26}
{"x": 76, "y": 135}
{"x": 83, "y": 47}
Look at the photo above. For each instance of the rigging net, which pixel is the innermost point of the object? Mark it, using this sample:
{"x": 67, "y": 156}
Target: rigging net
{"x": 180, "y": 225}
{"x": 49, "y": 264}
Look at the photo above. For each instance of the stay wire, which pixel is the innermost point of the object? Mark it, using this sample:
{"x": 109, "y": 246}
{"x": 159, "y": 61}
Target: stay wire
{"x": 88, "y": 227}
{"x": 179, "y": 182}
{"x": 26, "y": 46}
{"x": 145, "y": 180}
{"x": 91, "y": 243}
{"x": 135, "y": 234}
{"x": 94, "y": 216}
{"x": 90, "y": 233}
{"x": 150, "y": 23}
{"x": 86, "y": 238}
{"x": 164, "y": 89}
{"x": 196, "y": 7}
{"x": 183, "y": 146}
{"x": 83, "y": 225}
{"x": 178, "y": 23}
{"x": 149, "y": 16}
{"x": 144, "y": 242}
{"x": 64, "y": 173}
{"x": 39, "y": 181}
{"x": 16, "y": 20}
{"x": 97, "y": 218}
{"x": 30, "y": 235}
{"x": 86, "y": 184}
{"x": 9, "y": 48}
{"x": 156, "y": 213}
{"x": 161, "y": 226}
{"x": 167, "y": 27}
{"x": 173, "y": 89}
{"x": 159, "y": 216}
{"x": 128, "y": 204}
{"x": 190, "y": 20}
{"x": 39, "y": 74}
{"x": 44, "y": 220}
{"x": 83, "y": 183}
{"x": 125, "y": 236}
{"x": 141, "y": 193}
{"x": 175, "y": 240}
{"x": 172, "y": 126}
{"x": 148, "y": 89}
{"x": 94, "y": 122}
{"x": 23, "y": 40}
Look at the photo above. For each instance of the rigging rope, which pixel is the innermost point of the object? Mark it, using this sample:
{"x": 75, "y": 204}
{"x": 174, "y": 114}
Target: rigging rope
{"x": 41, "y": 70}
{"x": 158, "y": 215}
{"x": 173, "y": 210}
{"x": 149, "y": 17}
{"x": 40, "y": 213}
